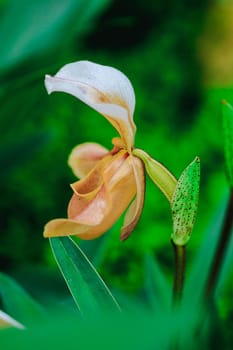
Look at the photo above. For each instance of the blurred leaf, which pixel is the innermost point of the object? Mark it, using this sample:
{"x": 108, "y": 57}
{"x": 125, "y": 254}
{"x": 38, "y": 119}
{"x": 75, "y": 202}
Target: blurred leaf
{"x": 86, "y": 286}
{"x": 184, "y": 203}
{"x": 29, "y": 27}
{"x": 18, "y": 303}
{"x": 136, "y": 330}
{"x": 228, "y": 139}
{"x": 196, "y": 280}
{"x": 226, "y": 270}
{"x": 157, "y": 288}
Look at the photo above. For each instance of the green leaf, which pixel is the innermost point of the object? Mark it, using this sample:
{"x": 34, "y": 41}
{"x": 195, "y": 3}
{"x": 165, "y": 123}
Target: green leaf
{"x": 160, "y": 175}
{"x": 86, "y": 286}
{"x": 42, "y": 25}
{"x": 184, "y": 203}
{"x": 17, "y": 303}
{"x": 157, "y": 289}
{"x": 139, "y": 329}
{"x": 196, "y": 280}
{"x": 228, "y": 139}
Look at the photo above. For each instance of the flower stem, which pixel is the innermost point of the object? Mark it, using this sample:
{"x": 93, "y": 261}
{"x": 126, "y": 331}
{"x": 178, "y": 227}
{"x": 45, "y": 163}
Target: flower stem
{"x": 179, "y": 275}
{"x": 221, "y": 248}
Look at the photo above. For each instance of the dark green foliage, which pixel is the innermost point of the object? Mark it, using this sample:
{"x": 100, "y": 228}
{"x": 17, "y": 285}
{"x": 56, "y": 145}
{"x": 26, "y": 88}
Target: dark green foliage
{"x": 18, "y": 303}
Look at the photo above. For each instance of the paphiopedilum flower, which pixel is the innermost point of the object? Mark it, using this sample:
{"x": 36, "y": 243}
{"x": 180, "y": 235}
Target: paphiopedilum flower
{"x": 110, "y": 181}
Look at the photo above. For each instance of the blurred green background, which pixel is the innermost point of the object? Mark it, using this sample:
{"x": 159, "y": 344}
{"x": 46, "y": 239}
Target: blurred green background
{"x": 179, "y": 58}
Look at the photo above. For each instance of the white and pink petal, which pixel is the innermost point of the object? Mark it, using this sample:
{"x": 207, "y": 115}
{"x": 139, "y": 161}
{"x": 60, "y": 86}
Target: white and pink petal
{"x": 103, "y": 88}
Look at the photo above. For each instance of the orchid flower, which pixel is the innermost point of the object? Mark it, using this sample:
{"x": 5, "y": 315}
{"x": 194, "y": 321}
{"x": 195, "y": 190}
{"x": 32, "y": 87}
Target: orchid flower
{"x": 110, "y": 181}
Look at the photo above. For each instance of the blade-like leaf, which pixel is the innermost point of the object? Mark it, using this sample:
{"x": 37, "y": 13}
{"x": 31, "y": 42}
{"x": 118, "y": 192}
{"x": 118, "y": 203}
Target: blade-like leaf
{"x": 184, "y": 203}
{"x": 160, "y": 175}
{"x": 86, "y": 286}
{"x": 157, "y": 288}
{"x": 228, "y": 139}
{"x": 17, "y": 302}
{"x": 197, "y": 278}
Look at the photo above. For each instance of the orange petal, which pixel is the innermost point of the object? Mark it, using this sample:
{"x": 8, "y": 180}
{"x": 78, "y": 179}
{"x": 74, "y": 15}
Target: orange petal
{"x": 89, "y": 212}
{"x": 92, "y": 213}
{"x": 122, "y": 189}
{"x": 90, "y": 199}
{"x": 64, "y": 227}
{"x": 84, "y": 157}
{"x": 133, "y": 213}
{"x": 103, "y": 88}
